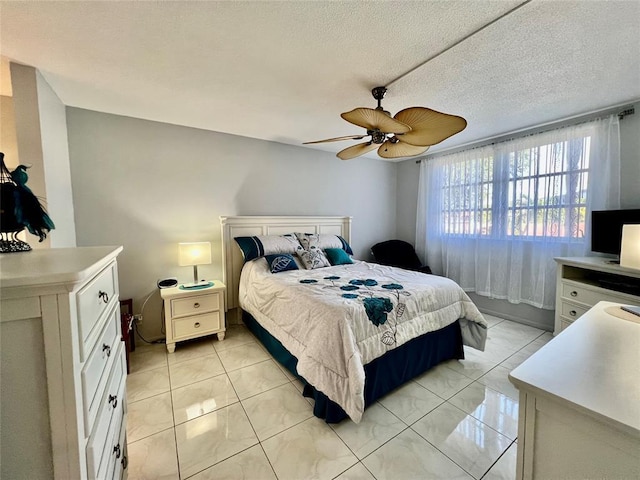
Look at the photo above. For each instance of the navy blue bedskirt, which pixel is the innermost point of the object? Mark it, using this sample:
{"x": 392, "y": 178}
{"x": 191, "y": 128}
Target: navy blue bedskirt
{"x": 383, "y": 374}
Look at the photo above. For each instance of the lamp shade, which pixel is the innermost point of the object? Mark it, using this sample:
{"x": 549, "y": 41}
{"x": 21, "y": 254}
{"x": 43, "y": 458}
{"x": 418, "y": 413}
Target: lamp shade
{"x": 630, "y": 249}
{"x": 194, "y": 253}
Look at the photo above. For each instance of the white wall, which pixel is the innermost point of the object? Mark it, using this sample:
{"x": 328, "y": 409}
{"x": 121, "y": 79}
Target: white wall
{"x": 55, "y": 151}
{"x": 41, "y": 135}
{"x": 148, "y": 185}
{"x": 408, "y": 175}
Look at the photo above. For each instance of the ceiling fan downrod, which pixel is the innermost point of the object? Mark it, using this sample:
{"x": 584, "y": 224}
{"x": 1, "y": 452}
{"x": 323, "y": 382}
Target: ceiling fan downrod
{"x": 378, "y": 94}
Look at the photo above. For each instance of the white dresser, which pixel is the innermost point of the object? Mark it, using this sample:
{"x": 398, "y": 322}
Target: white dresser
{"x": 584, "y": 281}
{"x": 579, "y": 413}
{"x": 63, "y": 370}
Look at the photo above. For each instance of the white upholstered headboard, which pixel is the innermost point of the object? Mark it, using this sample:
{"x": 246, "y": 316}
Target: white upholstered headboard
{"x": 232, "y": 259}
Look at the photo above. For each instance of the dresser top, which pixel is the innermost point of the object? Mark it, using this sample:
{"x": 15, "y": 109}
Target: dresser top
{"x": 53, "y": 265}
{"x": 593, "y": 365}
{"x": 601, "y": 264}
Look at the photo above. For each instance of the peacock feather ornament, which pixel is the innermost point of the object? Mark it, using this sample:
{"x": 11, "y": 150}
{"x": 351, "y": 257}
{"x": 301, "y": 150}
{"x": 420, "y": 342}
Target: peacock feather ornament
{"x": 19, "y": 209}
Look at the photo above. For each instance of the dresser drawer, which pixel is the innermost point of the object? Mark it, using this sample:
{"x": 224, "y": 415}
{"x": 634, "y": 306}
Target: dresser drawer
{"x": 194, "y": 305}
{"x": 111, "y": 412}
{"x": 572, "y": 312}
{"x": 92, "y": 302}
{"x": 196, "y": 325}
{"x": 95, "y": 372}
{"x": 120, "y": 463}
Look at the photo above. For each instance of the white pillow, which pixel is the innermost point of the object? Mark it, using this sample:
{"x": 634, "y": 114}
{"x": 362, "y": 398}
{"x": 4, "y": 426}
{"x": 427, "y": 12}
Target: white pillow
{"x": 313, "y": 258}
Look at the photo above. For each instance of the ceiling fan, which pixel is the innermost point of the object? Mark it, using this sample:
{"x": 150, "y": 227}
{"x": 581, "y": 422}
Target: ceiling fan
{"x": 410, "y": 132}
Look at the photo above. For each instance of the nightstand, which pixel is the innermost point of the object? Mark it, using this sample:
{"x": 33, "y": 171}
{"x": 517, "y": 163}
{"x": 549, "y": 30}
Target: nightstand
{"x": 193, "y": 313}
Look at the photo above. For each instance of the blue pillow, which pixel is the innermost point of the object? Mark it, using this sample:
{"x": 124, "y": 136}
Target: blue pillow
{"x": 281, "y": 262}
{"x": 337, "y": 256}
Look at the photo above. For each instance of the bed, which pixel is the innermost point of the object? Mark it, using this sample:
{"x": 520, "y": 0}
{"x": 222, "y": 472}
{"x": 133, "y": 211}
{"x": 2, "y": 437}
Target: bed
{"x": 351, "y": 332}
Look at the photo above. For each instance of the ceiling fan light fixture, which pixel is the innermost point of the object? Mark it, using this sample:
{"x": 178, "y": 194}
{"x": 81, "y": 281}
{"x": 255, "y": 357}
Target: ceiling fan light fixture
{"x": 410, "y": 132}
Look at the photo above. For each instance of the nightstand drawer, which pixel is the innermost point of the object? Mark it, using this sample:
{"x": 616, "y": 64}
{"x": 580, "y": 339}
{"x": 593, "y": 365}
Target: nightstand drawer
{"x": 195, "y": 305}
{"x": 92, "y": 302}
{"x": 196, "y": 325}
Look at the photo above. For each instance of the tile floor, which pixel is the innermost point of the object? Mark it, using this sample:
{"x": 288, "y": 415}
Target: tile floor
{"x": 228, "y": 410}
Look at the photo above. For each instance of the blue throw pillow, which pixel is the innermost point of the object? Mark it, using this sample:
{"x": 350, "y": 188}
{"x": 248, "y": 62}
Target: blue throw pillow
{"x": 337, "y": 256}
{"x": 281, "y": 262}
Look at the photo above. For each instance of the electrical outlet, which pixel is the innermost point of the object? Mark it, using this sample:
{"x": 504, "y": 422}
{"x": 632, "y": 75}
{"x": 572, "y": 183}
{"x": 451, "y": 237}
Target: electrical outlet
{"x": 138, "y": 318}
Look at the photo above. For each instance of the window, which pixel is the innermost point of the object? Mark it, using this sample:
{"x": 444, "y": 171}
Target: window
{"x": 533, "y": 192}
{"x": 493, "y": 218}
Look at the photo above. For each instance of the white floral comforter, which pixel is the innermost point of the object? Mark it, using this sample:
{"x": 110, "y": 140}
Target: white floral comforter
{"x": 335, "y": 320}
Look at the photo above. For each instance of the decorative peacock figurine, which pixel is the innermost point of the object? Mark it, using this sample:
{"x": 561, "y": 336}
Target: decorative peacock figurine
{"x": 19, "y": 209}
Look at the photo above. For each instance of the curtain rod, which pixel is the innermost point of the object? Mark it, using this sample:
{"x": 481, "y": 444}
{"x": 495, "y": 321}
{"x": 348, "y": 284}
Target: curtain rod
{"x": 623, "y": 110}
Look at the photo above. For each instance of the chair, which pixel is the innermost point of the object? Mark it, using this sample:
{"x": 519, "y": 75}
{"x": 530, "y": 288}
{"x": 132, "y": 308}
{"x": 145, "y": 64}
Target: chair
{"x": 398, "y": 253}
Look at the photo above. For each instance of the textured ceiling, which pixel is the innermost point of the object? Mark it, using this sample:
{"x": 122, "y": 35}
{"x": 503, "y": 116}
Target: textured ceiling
{"x": 284, "y": 71}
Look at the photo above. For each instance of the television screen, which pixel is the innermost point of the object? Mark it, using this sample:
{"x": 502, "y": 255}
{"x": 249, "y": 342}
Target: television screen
{"x": 606, "y": 229}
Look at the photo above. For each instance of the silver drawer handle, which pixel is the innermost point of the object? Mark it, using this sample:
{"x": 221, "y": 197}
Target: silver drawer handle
{"x": 106, "y": 348}
{"x": 104, "y": 296}
{"x": 573, "y": 313}
{"x": 196, "y": 325}
{"x": 114, "y": 400}
{"x": 574, "y": 294}
{"x": 196, "y": 305}
{"x": 116, "y": 450}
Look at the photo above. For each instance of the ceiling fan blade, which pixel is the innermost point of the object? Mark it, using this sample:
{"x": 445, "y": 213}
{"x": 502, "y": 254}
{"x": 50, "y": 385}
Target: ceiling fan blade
{"x": 356, "y": 150}
{"x": 399, "y": 149}
{"x": 337, "y": 139}
{"x": 375, "y": 120}
{"x": 428, "y": 126}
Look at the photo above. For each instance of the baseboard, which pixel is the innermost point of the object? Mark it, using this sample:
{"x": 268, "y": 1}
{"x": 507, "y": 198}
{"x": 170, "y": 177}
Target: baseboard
{"x": 517, "y": 319}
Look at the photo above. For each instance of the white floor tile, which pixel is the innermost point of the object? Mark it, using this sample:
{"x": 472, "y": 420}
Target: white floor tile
{"x": 257, "y": 378}
{"x": 464, "y": 439}
{"x": 410, "y": 402}
{"x": 153, "y": 457}
{"x": 191, "y": 350}
{"x": 200, "y": 398}
{"x": 492, "y": 408}
{"x": 443, "y": 381}
{"x": 498, "y": 379}
{"x": 376, "y": 427}
{"x": 235, "y": 336}
{"x": 252, "y": 464}
{"x": 505, "y": 467}
{"x": 277, "y": 409}
{"x": 192, "y": 371}
{"x": 318, "y": 452}
{"x": 148, "y": 359}
{"x": 357, "y": 472}
{"x": 409, "y": 456}
{"x": 211, "y": 438}
{"x": 242, "y": 356}
{"x": 147, "y": 384}
{"x": 149, "y": 416}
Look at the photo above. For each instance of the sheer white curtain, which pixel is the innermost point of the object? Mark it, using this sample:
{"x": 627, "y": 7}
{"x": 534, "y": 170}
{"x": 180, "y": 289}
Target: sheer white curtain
{"x": 493, "y": 218}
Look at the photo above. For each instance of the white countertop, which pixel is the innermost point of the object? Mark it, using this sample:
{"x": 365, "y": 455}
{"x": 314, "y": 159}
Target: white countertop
{"x": 53, "y": 265}
{"x": 594, "y": 364}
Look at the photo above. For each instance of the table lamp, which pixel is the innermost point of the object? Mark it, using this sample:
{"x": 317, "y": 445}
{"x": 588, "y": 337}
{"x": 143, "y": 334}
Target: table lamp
{"x": 630, "y": 248}
{"x": 194, "y": 253}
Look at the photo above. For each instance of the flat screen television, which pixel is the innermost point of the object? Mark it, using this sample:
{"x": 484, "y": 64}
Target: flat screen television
{"x": 606, "y": 229}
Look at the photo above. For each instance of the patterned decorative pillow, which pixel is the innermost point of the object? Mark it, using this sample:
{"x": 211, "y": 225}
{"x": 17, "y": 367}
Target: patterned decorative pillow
{"x": 323, "y": 241}
{"x": 312, "y": 258}
{"x": 337, "y": 256}
{"x": 259, "y": 246}
{"x": 281, "y": 262}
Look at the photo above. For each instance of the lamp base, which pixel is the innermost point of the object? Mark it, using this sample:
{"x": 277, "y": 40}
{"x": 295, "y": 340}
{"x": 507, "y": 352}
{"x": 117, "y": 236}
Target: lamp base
{"x": 196, "y": 286}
